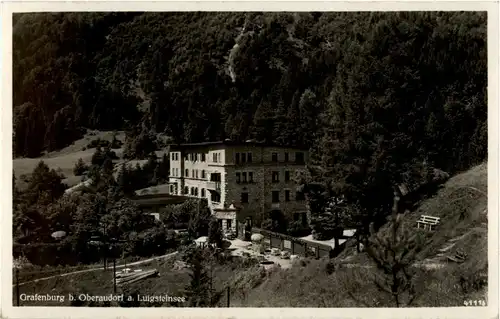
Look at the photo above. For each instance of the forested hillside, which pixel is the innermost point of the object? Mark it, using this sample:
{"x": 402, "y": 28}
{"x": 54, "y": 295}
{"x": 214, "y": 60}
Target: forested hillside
{"x": 371, "y": 93}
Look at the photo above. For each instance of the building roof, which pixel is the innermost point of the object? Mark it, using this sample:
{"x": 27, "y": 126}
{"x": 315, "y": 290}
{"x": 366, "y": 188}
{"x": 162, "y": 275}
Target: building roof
{"x": 158, "y": 199}
{"x": 161, "y": 190}
{"x": 233, "y": 143}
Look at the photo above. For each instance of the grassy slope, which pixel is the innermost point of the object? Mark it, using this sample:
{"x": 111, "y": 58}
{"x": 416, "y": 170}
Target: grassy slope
{"x": 309, "y": 285}
{"x": 65, "y": 158}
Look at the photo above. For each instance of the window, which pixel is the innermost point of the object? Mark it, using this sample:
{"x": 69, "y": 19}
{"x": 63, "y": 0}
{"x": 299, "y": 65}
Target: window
{"x": 237, "y": 158}
{"x": 172, "y": 156}
{"x": 173, "y": 171}
{"x": 249, "y": 157}
{"x": 186, "y": 190}
{"x": 215, "y": 197}
{"x": 275, "y": 177}
{"x": 177, "y": 172}
{"x": 275, "y": 196}
{"x": 192, "y": 173}
{"x": 215, "y": 177}
{"x": 244, "y": 197}
{"x": 286, "y": 157}
{"x": 171, "y": 189}
{"x": 299, "y": 196}
{"x": 214, "y": 157}
{"x": 299, "y": 157}
{"x": 202, "y": 192}
{"x": 228, "y": 224}
{"x": 192, "y": 190}
{"x": 275, "y": 157}
{"x": 250, "y": 177}
{"x": 287, "y": 176}
{"x": 244, "y": 175}
{"x": 243, "y": 157}
{"x": 203, "y": 173}
{"x": 238, "y": 177}
{"x": 186, "y": 173}
{"x": 203, "y": 157}
{"x": 287, "y": 195}
{"x": 196, "y": 191}
{"x": 196, "y": 173}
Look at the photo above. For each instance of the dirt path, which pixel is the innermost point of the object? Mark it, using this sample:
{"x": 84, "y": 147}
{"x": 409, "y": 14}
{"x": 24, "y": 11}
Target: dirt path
{"x": 99, "y": 268}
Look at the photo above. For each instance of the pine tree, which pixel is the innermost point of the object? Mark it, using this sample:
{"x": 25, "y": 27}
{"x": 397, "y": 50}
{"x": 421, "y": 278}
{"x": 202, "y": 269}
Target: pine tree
{"x": 215, "y": 233}
{"x": 198, "y": 290}
{"x": 123, "y": 180}
{"x": 394, "y": 252}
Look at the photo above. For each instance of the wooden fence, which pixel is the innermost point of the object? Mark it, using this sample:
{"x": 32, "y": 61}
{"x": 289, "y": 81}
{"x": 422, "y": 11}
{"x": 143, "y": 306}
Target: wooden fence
{"x": 295, "y": 245}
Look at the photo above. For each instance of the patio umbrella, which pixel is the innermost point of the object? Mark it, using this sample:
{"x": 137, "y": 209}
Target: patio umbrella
{"x": 256, "y": 237}
{"x": 58, "y": 234}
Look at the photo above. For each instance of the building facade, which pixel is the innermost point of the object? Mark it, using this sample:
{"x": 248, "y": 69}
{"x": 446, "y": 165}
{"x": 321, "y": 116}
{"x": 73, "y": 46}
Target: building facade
{"x": 240, "y": 180}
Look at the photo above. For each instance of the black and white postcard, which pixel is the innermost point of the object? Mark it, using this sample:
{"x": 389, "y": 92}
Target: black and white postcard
{"x": 250, "y": 159}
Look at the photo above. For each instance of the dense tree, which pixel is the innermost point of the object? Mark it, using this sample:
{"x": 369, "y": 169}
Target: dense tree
{"x": 124, "y": 181}
{"x": 215, "y": 233}
{"x": 198, "y": 290}
{"x": 200, "y": 218}
{"x": 29, "y": 206}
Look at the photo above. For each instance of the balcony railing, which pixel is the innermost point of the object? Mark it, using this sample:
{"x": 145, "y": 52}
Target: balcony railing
{"x": 214, "y": 185}
{"x": 275, "y": 205}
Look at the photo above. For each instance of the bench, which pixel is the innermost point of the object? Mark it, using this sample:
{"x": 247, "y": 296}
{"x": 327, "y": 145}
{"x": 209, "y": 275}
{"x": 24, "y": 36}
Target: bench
{"x": 428, "y": 221}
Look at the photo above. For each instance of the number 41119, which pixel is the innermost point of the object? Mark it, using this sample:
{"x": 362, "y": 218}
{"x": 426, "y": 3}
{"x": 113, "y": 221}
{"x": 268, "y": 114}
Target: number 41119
{"x": 474, "y": 303}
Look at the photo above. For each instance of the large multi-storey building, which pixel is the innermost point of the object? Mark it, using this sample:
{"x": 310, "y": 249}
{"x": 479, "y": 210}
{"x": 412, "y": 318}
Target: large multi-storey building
{"x": 240, "y": 179}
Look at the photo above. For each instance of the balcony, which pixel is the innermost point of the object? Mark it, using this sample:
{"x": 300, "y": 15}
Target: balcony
{"x": 214, "y": 185}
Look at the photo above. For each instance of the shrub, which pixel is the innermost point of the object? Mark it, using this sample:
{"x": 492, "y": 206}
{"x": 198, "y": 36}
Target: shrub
{"x": 154, "y": 241}
{"x": 471, "y": 282}
{"x": 98, "y": 143}
{"x": 80, "y": 167}
{"x": 297, "y": 229}
{"x": 330, "y": 267}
